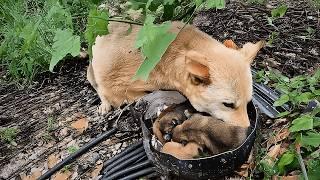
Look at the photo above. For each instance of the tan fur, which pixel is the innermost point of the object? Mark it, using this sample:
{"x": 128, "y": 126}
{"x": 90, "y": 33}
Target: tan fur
{"x": 201, "y": 68}
{"x": 209, "y": 132}
{"x": 189, "y": 151}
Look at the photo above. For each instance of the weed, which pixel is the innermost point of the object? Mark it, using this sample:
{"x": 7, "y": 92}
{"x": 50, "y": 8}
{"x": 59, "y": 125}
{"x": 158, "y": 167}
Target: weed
{"x": 256, "y": 1}
{"x": 8, "y": 135}
{"x": 272, "y": 38}
{"x": 72, "y": 149}
{"x": 305, "y": 126}
{"x": 50, "y": 124}
{"x": 66, "y": 168}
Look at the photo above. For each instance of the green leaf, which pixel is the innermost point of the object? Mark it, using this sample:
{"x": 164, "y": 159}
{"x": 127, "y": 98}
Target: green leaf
{"x": 286, "y": 159}
{"x": 64, "y": 43}
{"x": 282, "y": 114}
{"x": 316, "y": 122}
{"x": 282, "y": 100}
{"x": 301, "y": 123}
{"x": 97, "y": 26}
{"x": 218, "y": 4}
{"x": 304, "y": 97}
{"x": 153, "y": 41}
{"x": 313, "y": 169}
{"x": 311, "y": 139}
{"x": 279, "y": 11}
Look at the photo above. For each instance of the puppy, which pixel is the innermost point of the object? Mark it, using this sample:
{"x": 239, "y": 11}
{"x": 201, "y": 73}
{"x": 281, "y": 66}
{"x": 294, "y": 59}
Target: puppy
{"x": 216, "y": 79}
{"x": 210, "y": 133}
{"x": 189, "y": 151}
{"x": 170, "y": 118}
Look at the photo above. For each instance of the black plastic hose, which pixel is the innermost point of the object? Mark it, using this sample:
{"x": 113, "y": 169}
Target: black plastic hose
{"x": 81, "y": 151}
{"x": 126, "y": 163}
{"x": 126, "y": 171}
{"x": 124, "y": 158}
{"x": 139, "y": 174}
{"x": 123, "y": 153}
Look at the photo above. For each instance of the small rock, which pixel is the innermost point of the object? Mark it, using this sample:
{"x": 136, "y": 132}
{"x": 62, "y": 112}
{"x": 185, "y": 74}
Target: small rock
{"x": 117, "y": 146}
{"x": 102, "y": 152}
{"x": 64, "y": 132}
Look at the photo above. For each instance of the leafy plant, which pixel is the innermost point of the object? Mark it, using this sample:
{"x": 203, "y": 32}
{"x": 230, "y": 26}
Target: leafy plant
{"x": 280, "y": 11}
{"x": 305, "y": 126}
{"x": 72, "y": 149}
{"x": 8, "y": 135}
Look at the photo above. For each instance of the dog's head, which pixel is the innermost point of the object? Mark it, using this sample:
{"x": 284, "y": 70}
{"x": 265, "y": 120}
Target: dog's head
{"x": 219, "y": 81}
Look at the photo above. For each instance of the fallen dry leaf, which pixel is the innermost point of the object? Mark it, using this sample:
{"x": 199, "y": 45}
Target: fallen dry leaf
{"x": 96, "y": 171}
{"x": 295, "y": 177}
{"x": 230, "y": 44}
{"x": 273, "y": 153}
{"x": 52, "y": 160}
{"x": 62, "y": 175}
{"x": 283, "y": 134}
{"x": 80, "y": 125}
{"x": 34, "y": 175}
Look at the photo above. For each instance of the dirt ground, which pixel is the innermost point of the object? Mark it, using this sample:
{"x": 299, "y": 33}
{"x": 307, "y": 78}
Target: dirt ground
{"x": 57, "y": 113}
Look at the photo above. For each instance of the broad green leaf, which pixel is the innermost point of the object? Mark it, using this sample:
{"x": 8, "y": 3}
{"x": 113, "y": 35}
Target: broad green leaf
{"x": 311, "y": 139}
{"x": 304, "y": 97}
{"x": 282, "y": 114}
{"x": 316, "y": 122}
{"x": 313, "y": 169}
{"x": 286, "y": 159}
{"x": 153, "y": 41}
{"x": 301, "y": 123}
{"x": 279, "y": 11}
{"x": 97, "y": 26}
{"x": 64, "y": 43}
{"x": 282, "y": 100}
{"x": 218, "y": 4}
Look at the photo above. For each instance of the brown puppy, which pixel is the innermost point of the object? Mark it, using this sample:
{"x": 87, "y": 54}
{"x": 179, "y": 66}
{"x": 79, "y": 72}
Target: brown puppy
{"x": 170, "y": 118}
{"x": 216, "y": 79}
{"x": 163, "y": 126}
{"x": 210, "y": 133}
{"x": 189, "y": 151}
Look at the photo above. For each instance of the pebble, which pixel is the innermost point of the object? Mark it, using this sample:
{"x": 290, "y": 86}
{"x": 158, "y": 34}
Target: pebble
{"x": 117, "y": 146}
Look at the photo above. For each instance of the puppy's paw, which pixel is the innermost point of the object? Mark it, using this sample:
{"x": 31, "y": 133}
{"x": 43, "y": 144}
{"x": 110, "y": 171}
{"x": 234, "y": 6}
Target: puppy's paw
{"x": 104, "y": 108}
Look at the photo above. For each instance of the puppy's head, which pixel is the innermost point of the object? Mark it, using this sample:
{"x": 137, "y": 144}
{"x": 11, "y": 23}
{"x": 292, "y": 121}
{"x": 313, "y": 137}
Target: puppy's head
{"x": 219, "y": 81}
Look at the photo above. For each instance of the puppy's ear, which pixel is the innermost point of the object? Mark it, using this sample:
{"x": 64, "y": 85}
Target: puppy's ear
{"x": 196, "y": 66}
{"x": 250, "y": 50}
{"x": 230, "y": 44}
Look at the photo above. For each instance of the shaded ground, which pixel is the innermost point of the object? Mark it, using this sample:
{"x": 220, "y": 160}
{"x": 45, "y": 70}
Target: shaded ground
{"x": 44, "y": 113}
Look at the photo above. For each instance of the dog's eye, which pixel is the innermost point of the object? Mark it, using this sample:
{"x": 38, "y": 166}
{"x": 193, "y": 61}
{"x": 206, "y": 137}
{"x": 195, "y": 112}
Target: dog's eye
{"x": 229, "y": 105}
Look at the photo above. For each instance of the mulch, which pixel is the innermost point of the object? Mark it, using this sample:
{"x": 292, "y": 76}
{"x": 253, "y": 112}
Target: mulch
{"x": 67, "y": 96}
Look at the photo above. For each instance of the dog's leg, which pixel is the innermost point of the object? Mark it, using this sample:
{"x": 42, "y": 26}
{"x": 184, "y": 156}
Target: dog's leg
{"x": 105, "y": 105}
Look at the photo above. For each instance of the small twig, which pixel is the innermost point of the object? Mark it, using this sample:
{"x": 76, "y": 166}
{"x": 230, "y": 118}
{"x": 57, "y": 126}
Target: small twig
{"x": 125, "y": 21}
{"x": 302, "y": 165}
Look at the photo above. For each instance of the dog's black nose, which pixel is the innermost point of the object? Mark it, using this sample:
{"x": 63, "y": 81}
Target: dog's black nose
{"x": 167, "y": 137}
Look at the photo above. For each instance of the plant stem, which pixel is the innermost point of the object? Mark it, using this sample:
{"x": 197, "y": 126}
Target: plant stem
{"x": 303, "y": 167}
{"x": 125, "y": 21}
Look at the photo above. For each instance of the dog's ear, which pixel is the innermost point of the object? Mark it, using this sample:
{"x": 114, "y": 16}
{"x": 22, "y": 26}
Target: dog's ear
{"x": 230, "y": 44}
{"x": 196, "y": 66}
{"x": 250, "y": 50}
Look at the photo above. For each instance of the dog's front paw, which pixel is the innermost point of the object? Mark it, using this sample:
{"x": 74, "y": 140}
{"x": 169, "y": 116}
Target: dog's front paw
{"x": 104, "y": 108}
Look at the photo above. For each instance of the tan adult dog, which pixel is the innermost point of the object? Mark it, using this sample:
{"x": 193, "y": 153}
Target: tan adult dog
{"x": 215, "y": 79}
